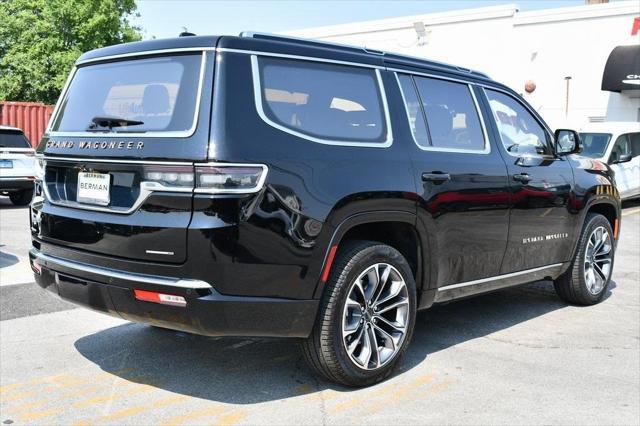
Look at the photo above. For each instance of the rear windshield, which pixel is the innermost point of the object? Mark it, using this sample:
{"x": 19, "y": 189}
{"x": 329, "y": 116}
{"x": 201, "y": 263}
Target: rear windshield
{"x": 142, "y": 95}
{"x": 13, "y": 140}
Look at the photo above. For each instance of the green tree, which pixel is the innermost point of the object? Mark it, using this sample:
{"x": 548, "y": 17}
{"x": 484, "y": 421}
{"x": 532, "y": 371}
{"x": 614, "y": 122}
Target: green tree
{"x": 41, "y": 39}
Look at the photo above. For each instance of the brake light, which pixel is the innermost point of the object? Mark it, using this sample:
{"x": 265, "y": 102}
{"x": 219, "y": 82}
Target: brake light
{"x": 161, "y": 298}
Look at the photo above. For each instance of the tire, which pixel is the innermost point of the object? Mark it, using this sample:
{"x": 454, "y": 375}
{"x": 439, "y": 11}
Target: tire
{"x": 21, "y": 198}
{"x": 325, "y": 350}
{"x": 576, "y": 285}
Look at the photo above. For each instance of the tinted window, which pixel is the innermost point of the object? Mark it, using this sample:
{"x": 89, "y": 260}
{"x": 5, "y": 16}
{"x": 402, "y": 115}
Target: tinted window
{"x": 452, "y": 117}
{"x": 414, "y": 111}
{"x": 160, "y": 92}
{"x": 13, "y": 140}
{"x": 519, "y": 130}
{"x": 594, "y": 145}
{"x": 321, "y": 100}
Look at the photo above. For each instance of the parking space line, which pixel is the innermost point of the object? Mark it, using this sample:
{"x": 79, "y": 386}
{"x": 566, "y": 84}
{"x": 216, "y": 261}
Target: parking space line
{"x": 113, "y": 397}
{"x": 231, "y": 419}
{"x": 137, "y": 409}
{"x": 203, "y": 412}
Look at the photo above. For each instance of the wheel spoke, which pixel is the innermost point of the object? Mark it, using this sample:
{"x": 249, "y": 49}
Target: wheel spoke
{"x": 366, "y": 350}
{"x": 354, "y": 344}
{"x": 395, "y": 289}
{"x": 599, "y": 271}
{"x": 393, "y": 306}
{"x": 374, "y": 345}
{"x": 389, "y": 337}
{"x": 373, "y": 279}
{"x": 396, "y": 327}
{"x": 384, "y": 278}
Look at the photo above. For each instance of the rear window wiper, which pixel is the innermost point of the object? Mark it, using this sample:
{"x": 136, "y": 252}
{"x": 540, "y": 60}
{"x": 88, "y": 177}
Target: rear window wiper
{"x": 98, "y": 123}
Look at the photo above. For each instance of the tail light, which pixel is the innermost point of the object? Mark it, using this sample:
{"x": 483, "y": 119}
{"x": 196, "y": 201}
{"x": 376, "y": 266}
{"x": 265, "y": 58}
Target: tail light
{"x": 230, "y": 179}
{"x": 219, "y": 178}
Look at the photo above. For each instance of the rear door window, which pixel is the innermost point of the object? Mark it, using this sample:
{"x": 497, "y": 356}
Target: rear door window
{"x": 321, "y": 102}
{"x": 13, "y": 140}
{"x": 452, "y": 117}
{"x": 157, "y": 94}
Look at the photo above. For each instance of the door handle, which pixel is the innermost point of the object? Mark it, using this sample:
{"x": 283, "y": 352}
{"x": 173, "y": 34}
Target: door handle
{"x": 436, "y": 177}
{"x": 522, "y": 177}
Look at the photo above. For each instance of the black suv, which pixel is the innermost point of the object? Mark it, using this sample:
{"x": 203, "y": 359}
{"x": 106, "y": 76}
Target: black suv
{"x": 268, "y": 186}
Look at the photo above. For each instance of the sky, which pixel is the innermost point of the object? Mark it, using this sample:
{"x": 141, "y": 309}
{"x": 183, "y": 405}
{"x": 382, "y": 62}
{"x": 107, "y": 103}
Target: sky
{"x": 166, "y": 18}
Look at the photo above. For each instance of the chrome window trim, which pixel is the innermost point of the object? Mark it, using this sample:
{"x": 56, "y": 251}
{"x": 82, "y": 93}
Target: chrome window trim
{"x": 487, "y": 143}
{"x": 145, "y": 53}
{"x": 48, "y": 261}
{"x": 147, "y": 187}
{"x": 152, "y": 134}
{"x": 544, "y": 126}
{"x": 497, "y": 277}
{"x": 300, "y": 57}
{"x": 112, "y": 160}
{"x": 258, "y": 188}
{"x": 257, "y": 94}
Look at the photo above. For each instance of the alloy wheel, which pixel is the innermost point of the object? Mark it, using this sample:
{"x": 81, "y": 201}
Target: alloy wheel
{"x": 598, "y": 260}
{"x": 375, "y": 316}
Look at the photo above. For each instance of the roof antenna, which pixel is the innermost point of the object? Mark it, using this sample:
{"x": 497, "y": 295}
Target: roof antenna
{"x": 185, "y": 33}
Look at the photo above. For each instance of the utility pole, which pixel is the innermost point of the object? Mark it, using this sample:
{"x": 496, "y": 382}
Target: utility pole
{"x": 566, "y": 100}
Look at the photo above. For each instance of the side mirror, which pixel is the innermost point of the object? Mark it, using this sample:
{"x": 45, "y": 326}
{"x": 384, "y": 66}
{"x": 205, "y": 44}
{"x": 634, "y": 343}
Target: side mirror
{"x": 623, "y": 158}
{"x": 567, "y": 142}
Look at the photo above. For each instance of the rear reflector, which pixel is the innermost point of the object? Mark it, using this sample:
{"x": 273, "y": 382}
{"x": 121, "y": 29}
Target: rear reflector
{"x": 327, "y": 265}
{"x": 162, "y": 298}
{"x": 616, "y": 228}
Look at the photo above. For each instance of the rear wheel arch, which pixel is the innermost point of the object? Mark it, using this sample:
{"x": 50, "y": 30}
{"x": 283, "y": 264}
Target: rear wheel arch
{"x": 398, "y": 229}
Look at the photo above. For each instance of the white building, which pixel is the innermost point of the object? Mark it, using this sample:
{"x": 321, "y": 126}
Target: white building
{"x": 545, "y": 46}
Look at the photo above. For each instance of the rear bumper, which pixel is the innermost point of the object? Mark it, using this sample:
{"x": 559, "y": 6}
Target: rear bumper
{"x": 207, "y": 312}
{"x": 15, "y": 183}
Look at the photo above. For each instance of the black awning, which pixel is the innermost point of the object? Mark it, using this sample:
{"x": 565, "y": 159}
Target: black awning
{"x": 622, "y": 71}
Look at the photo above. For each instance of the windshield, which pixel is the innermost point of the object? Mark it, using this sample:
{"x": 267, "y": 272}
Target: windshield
{"x": 134, "y": 96}
{"x": 594, "y": 145}
{"x": 13, "y": 140}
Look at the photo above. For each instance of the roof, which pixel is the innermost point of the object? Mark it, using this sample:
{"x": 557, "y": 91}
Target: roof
{"x": 614, "y": 127}
{"x": 10, "y": 129}
{"x": 284, "y": 45}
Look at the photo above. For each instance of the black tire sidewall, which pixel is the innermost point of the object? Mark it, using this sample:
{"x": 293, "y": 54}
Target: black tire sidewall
{"x": 369, "y": 255}
{"x": 21, "y": 198}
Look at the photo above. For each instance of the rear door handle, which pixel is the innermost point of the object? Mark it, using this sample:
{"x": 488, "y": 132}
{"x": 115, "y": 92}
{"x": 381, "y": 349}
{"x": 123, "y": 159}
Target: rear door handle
{"x": 522, "y": 177}
{"x": 437, "y": 177}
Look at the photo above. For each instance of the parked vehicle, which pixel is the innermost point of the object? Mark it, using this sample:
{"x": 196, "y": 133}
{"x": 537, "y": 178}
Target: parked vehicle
{"x": 617, "y": 144}
{"x": 17, "y": 166}
{"x": 269, "y": 186}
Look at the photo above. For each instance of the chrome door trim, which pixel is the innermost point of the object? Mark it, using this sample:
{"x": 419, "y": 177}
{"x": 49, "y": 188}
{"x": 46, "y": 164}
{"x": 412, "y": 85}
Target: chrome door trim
{"x": 497, "y": 277}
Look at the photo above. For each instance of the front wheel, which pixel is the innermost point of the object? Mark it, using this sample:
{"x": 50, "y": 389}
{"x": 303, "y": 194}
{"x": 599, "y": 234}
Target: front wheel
{"x": 587, "y": 279}
{"x": 366, "y": 318}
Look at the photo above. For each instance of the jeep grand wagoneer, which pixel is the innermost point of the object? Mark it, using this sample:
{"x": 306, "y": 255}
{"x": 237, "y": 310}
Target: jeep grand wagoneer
{"x": 268, "y": 186}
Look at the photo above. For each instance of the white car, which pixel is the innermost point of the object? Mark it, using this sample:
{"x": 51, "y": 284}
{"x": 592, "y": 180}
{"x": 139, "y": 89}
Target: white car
{"x": 617, "y": 144}
{"x": 17, "y": 166}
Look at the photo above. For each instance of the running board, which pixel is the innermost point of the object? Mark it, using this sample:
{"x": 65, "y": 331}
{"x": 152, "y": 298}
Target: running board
{"x": 470, "y": 288}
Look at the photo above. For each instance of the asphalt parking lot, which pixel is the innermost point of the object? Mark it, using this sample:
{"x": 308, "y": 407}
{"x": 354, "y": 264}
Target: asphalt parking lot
{"x": 517, "y": 356}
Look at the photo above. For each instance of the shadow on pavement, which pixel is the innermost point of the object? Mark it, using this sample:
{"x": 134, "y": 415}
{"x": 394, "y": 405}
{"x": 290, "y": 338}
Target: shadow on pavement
{"x": 246, "y": 371}
{"x": 7, "y": 259}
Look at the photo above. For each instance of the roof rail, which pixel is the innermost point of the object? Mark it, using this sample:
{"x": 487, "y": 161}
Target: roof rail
{"x": 252, "y": 34}
{"x": 395, "y": 57}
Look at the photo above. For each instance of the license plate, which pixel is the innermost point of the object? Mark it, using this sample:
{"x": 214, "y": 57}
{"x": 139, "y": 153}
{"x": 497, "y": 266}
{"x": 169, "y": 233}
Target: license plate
{"x": 6, "y": 164}
{"x": 93, "y": 188}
